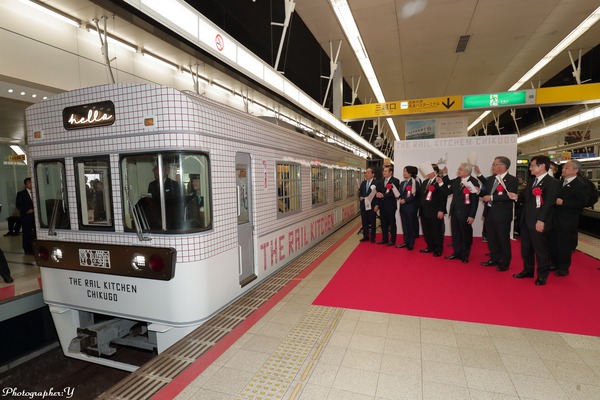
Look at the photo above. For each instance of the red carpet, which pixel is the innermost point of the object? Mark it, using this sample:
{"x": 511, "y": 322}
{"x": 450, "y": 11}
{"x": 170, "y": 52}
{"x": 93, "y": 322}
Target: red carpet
{"x": 398, "y": 281}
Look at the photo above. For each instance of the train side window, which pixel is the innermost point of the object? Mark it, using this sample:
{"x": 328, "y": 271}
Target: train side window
{"x": 318, "y": 180}
{"x": 52, "y": 194}
{"x": 338, "y": 181}
{"x": 94, "y": 196}
{"x": 289, "y": 188}
{"x": 180, "y": 202}
{"x": 351, "y": 185}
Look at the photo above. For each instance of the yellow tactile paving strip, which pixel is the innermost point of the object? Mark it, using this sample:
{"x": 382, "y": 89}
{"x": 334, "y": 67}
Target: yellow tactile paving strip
{"x": 279, "y": 372}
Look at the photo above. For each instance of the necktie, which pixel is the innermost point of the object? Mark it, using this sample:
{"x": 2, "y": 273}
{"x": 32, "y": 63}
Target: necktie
{"x": 495, "y": 185}
{"x": 535, "y": 182}
{"x": 565, "y": 182}
{"x": 386, "y": 181}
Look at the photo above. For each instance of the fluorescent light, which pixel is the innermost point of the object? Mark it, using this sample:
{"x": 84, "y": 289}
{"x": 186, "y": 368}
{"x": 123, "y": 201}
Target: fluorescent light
{"x": 566, "y": 123}
{"x": 17, "y": 149}
{"x": 348, "y": 24}
{"x": 188, "y": 74}
{"x": 53, "y": 12}
{"x": 179, "y": 14}
{"x": 113, "y": 39}
{"x": 558, "y": 49}
{"x": 161, "y": 61}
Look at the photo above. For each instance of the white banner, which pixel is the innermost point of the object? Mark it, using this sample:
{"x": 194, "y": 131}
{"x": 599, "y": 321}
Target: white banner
{"x": 450, "y": 152}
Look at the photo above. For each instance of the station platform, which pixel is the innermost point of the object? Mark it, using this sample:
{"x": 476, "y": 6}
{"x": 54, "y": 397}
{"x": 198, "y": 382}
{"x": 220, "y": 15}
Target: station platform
{"x": 294, "y": 347}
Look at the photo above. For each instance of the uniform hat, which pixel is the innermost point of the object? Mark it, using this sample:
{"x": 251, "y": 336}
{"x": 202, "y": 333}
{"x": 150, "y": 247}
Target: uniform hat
{"x": 426, "y": 168}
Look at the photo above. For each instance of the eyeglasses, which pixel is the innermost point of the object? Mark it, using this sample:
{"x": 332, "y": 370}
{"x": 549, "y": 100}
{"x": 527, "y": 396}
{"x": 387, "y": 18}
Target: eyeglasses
{"x": 496, "y": 164}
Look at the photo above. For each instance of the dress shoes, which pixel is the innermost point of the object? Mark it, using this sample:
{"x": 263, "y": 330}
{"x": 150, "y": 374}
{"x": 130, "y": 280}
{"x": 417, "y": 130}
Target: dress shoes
{"x": 382, "y": 242}
{"x": 391, "y": 244}
{"x": 540, "y": 281}
{"x": 401, "y": 246}
{"x": 501, "y": 268}
{"x": 410, "y": 247}
{"x": 7, "y": 278}
{"x": 425, "y": 251}
{"x": 363, "y": 239}
{"x": 372, "y": 240}
{"x": 522, "y": 275}
{"x": 561, "y": 273}
{"x": 8, "y": 234}
{"x": 464, "y": 260}
{"x": 489, "y": 263}
{"x": 437, "y": 253}
{"x": 452, "y": 257}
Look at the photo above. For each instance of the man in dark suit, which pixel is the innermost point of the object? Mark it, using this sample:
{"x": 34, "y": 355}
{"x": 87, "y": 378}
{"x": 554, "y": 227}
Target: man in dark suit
{"x": 410, "y": 188}
{"x": 536, "y": 220}
{"x": 172, "y": 197}
{"x": 499, "y": 213}
{"x": 571, "y": 199}
{"x": 387, "y": 206}
{"x": 433, "y": 207}
{"x": 367, "y": 208}
{"x": 463, "y": 208}
{"x": 24, "y": 203}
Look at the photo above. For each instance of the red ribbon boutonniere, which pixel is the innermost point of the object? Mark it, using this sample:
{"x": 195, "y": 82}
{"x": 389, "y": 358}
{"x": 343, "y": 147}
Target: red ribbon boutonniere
{"x": 388, "y": 187}
{"x": 500, "y": 189}
{"x": 537, "y": 192}
{"x": 430, "y": 190}
{"x": 467, "y": 194}
{"x": 408, "y": 190}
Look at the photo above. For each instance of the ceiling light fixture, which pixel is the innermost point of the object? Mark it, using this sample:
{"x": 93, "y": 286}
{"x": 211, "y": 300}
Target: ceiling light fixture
{"x": 574, "y": 120}
{"x": 161, "y": 61}
{"x": 53, "y": 12}
{"x": 113, "y": 39}
{"x": 348, "y": 24}
{"x": 559, "y": 48}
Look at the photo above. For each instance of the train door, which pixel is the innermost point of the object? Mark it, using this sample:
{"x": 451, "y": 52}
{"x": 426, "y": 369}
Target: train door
{"x": 244, "y": 214}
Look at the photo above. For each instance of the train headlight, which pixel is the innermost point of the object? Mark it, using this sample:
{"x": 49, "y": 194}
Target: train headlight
{"x": 138, "y": 262}
{"x": 56, "y": 254}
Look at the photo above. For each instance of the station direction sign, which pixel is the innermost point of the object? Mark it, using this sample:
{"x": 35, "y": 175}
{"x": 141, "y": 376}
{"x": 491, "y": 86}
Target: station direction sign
{"x": 404, "y": 107}
{"x": 16, "y": 157}
{"x": 551, "y": 96}
{"x": 501, "y": 99}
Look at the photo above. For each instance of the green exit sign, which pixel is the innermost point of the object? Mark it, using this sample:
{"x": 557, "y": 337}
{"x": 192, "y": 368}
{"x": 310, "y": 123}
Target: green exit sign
{"x": 503, "y": 99}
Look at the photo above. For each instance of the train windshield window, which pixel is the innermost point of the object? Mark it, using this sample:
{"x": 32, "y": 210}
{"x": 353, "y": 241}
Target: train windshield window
{"x": 338, "y": 176}
{"x": 318, "y": 180}
{"x": 289, "y": 187}
{"x": 52, "y": 194}
{"x": 350, "y": 182}
{"x": 166, "y": 192}
{"x": 94, "y": 197}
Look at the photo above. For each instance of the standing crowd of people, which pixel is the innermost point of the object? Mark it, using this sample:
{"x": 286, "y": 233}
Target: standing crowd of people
{"x": 547, "y": 221}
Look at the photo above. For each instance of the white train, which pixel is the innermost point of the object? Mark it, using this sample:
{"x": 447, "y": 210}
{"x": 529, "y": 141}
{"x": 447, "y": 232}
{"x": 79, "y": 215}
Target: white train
{"x": 156, "y": 208}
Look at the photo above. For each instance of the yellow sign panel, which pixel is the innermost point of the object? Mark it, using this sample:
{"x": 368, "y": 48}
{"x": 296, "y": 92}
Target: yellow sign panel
{"x": 572, "y": 94}
{"x": 16, "y": 157}
{"x": 405, "y": 107}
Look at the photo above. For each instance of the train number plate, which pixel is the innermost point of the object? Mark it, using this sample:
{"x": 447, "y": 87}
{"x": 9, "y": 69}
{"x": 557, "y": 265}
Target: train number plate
{"x": 94, "y": 258}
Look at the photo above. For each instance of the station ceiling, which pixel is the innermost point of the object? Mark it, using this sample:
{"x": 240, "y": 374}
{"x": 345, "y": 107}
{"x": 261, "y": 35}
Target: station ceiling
{"x": 411, "y": 43}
